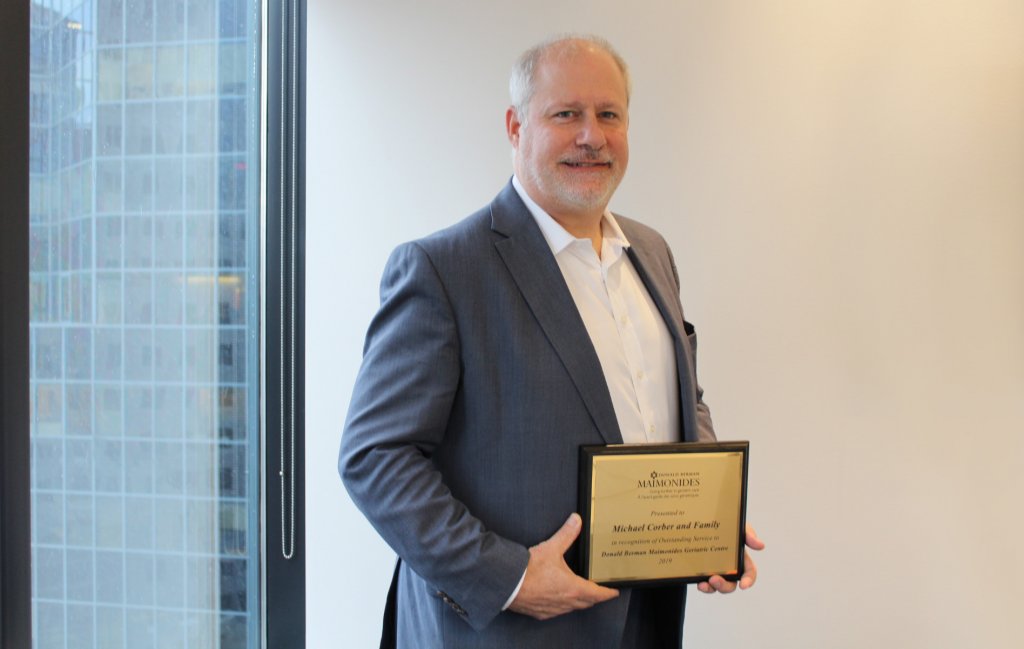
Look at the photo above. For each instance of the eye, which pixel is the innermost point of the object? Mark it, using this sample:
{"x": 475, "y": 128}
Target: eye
{"x": 608, "y": 114}
{"x": 564, "y": 114}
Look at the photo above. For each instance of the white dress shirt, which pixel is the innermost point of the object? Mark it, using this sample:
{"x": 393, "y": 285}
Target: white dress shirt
{"x": 632, "y": 341}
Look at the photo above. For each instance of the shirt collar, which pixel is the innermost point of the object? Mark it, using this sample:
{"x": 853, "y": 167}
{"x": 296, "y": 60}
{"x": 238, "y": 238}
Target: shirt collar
{"x": 557, "y": 237}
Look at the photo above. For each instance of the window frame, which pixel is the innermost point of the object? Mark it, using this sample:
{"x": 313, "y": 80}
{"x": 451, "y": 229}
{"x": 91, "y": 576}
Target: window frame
{"x": 15, "y": 532}
{"x": 284, "y": 583}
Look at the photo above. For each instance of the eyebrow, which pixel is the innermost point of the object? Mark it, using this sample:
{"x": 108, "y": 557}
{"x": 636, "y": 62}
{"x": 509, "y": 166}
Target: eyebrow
{"x": 576, "y": 105}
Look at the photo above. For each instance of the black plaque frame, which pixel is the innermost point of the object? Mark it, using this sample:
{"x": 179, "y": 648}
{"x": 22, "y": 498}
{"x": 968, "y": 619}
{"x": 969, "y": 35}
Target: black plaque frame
{"x": 587, "y": 456}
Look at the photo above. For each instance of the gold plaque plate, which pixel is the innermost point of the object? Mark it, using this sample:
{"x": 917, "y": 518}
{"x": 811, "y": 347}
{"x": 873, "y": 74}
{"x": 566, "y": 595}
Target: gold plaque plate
{"x": 662, "y": 513}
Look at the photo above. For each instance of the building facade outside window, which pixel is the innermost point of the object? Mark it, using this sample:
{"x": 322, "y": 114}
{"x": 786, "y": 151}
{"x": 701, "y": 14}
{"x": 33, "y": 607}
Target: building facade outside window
{"x": 144, "y": 323}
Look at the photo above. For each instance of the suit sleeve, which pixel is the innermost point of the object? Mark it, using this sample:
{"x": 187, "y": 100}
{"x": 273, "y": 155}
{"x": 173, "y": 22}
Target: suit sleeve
{"x": 397, "y": 417}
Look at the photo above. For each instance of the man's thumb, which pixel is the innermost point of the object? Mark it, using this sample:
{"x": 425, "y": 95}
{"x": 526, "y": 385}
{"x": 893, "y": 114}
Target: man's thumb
{"x": 566, "y": 534}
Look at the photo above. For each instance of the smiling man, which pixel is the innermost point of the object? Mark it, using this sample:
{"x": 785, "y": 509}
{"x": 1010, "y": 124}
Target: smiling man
{"x": 503, "y": 343}
{"x": 573, "y": 155}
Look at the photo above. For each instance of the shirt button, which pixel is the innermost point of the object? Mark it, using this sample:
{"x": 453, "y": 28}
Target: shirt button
{"x": 640, "y": 375}
{"x": 652, "y": 428}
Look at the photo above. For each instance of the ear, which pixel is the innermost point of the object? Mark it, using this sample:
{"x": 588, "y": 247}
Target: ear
{"x": 512, "y": 126}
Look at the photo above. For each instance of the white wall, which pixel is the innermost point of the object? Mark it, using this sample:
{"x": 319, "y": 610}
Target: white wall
{"x": 843, "y": 185}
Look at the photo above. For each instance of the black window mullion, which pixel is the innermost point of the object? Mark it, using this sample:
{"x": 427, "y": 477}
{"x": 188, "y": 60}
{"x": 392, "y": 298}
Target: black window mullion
{"x": 15, "y": 538}
{"x": 284, "y": 519}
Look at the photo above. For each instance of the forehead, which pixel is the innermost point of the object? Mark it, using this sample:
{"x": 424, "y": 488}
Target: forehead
{"x": 579, "y": 75}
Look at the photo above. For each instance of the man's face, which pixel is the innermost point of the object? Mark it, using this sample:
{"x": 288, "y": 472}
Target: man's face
{"x": 572, "y": 153}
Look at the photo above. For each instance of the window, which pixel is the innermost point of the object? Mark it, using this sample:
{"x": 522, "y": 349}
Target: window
{"x": 144, "y": 309}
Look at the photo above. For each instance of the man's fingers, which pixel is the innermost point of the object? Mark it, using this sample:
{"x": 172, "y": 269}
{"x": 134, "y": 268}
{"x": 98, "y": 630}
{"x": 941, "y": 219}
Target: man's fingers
{"x": 717, "y": 584}
{"x": 595, "y": 593}
{"x": 558, "y": 593}
{"x": 752, "y": 540}
{"x": 566, "y": 535}
{"x": 587, "y": 594}
{"x": 749, "y": 573}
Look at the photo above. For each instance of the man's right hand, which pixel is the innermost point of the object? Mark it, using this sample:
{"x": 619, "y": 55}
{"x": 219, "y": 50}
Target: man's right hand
{"x": 549, "y": 587}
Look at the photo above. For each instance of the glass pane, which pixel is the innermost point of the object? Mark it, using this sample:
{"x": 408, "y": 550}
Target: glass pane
{"x": 144, "y": 307}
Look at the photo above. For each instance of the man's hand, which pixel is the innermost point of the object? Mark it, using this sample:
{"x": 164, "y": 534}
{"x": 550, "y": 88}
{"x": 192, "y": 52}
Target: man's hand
{"x": 550, "y": 588}
{"x": 718, "y": 585}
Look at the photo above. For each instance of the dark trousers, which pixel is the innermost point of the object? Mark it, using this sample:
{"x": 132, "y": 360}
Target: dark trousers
{"x": 655, "y": 619}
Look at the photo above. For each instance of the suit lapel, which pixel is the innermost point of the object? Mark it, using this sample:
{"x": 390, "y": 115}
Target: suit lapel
{"x": 533, "y": 268}
{"x": 669, "y": 311}
{"x": 672, "y": 314}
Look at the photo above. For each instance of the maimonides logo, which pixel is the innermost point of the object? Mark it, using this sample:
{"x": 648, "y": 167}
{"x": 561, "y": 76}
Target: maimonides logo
{"x": 671, "y": 479}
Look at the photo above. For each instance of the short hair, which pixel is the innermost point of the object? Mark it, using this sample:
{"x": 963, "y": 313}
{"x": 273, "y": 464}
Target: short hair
{"x": 521, "y": 81}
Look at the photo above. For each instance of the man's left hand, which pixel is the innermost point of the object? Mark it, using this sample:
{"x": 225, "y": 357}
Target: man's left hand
{"x": 718, "y": 585}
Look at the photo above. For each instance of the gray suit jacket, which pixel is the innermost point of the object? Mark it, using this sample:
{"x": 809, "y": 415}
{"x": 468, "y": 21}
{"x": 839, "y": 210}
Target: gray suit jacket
{"x": 479, "y": 383}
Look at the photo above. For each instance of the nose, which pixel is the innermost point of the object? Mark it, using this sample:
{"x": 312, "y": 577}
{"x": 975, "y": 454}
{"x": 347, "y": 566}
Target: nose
{"x": 591, "y": 133}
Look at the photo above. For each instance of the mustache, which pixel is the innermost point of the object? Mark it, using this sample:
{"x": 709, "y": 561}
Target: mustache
{"x": 587, "y": 156}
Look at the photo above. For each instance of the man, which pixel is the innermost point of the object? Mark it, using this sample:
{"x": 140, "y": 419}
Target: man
{"x": 503, "y": 343}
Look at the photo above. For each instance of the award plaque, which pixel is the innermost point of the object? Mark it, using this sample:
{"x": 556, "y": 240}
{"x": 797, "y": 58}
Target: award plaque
{"x": 660, "y": 513}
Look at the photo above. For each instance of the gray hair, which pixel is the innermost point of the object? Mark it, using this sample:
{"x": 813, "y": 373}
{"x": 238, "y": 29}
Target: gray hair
{"x": 521, "y": 81}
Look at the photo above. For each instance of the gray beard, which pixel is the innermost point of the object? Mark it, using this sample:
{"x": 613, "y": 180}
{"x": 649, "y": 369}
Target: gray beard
{"x": 571, "y": 196}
